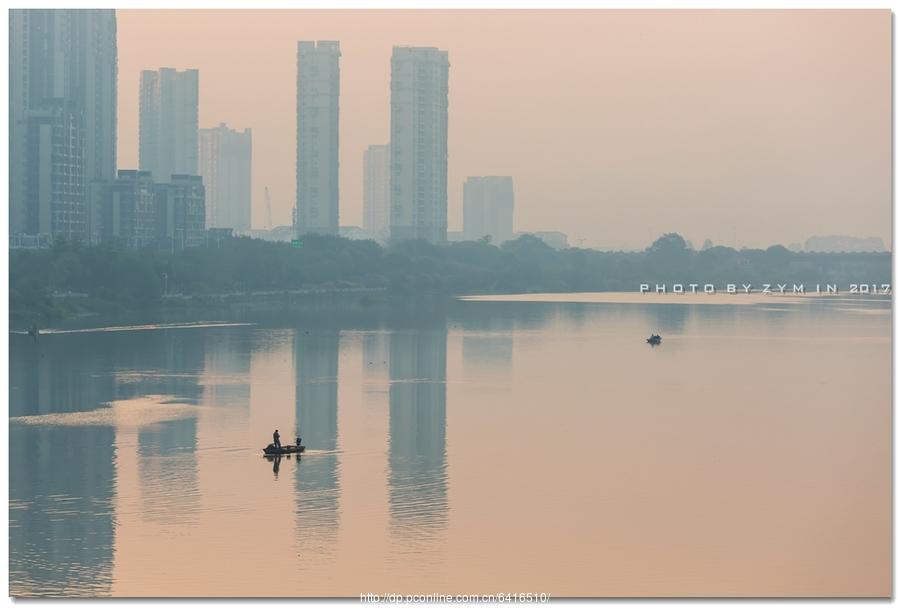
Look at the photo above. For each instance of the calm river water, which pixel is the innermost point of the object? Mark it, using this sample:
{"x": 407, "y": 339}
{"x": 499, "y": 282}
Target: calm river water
{"x": 527, "y": 445}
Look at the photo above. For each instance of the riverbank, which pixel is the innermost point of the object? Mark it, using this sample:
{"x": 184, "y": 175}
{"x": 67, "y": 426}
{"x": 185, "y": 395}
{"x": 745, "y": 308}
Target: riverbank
{"x": 72, "y": 280}
{"x": 74, "y": 311}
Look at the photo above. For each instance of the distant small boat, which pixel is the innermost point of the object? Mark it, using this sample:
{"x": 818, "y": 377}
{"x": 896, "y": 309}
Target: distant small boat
{"x": 654, "y": 340}
{"x": 271, "y": 449}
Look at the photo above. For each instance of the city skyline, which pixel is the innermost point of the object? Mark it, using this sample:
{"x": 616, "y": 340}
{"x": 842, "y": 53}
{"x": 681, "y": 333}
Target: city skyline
{"x": 712, "y": 140}
{"x": 64, "y": 180}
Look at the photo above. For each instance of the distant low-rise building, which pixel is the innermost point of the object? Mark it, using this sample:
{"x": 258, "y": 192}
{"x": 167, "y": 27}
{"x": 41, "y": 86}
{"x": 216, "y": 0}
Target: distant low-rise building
{"x": 23, "y": 241}
{"x": 354, "y": 232}
{"x": 180, "y": 212}
{"x": 844, "y": 243}
{"x": 216, "y": 235}
{"x": 124, "y": 210}
{"x": 279, "y": 233}
{"x": 136, "y": 212}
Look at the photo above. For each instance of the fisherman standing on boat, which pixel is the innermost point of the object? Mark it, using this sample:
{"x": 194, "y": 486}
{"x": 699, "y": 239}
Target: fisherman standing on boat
{"x": 276, "y": 439}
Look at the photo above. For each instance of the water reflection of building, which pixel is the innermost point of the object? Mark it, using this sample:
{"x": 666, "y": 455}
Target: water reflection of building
{"x": 375, "y": 353}
{"x": 417, "y": 477}
{"x": 59, "y": 375}
{"x": 316, "y": 370}
{"x": 226, "y": 370}
{"x": 487, "y": 345}
{"x": 61, "y": 478}
{"x": 168, "y": 363}
{"x": 61, "y": 532}
{"x": 167, "y": 467}
{"x": 165, "y": 363}
{"x": 487, "y": 353}
{"x": 64, "y": 478}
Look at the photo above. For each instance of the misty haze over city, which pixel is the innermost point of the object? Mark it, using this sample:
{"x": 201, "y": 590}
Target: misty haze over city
{"x": 747, "y": 128}
{"x": 450, "y": 306}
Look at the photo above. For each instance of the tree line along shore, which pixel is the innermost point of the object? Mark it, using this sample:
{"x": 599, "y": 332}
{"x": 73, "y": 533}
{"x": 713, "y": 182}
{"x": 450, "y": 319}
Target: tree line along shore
{"x": 69, "y": 279}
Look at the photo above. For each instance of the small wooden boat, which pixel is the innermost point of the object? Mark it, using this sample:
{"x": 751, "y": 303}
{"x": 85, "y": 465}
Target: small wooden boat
{"x": 271, "y": 450}
{"x": 654, "y": 340}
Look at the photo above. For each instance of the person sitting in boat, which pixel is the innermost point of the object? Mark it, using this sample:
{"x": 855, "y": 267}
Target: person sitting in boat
{"x": 276, "y": 439}
{"x": 298, "y": 441}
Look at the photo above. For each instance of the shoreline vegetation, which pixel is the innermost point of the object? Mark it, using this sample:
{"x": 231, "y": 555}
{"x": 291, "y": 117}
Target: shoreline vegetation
{"x": 71, "y": 279}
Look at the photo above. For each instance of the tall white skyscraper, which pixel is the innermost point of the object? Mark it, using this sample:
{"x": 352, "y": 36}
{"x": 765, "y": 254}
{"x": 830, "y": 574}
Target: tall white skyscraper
{"x": 377, "y": 190}
{"x": 318, "y": 92}
{"x": 419, "y": 81}
{"x": 488, "y": 208}
{"x": 62, "y": 116}
{"x": 168, "y": 122}
{"x": 225, "y": 164}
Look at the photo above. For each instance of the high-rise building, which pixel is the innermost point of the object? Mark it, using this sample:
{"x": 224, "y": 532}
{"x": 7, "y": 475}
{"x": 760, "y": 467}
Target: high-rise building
{"x": 54, "y": 178}
{"x": 318, "y": 90}
{"x": 96, "y": 86}
{"x": 62, "y": 116}
{"x": 488, "y": 208}
{"x": 419, "y": 81}
{"x": 225, "y": 165}
{"x": 377, "y": 190}
{"x": 168, "y": 122}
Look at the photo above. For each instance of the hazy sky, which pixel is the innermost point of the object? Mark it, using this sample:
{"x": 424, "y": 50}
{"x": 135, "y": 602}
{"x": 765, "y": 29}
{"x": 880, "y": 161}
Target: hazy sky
{"x": 756, "y": 126}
